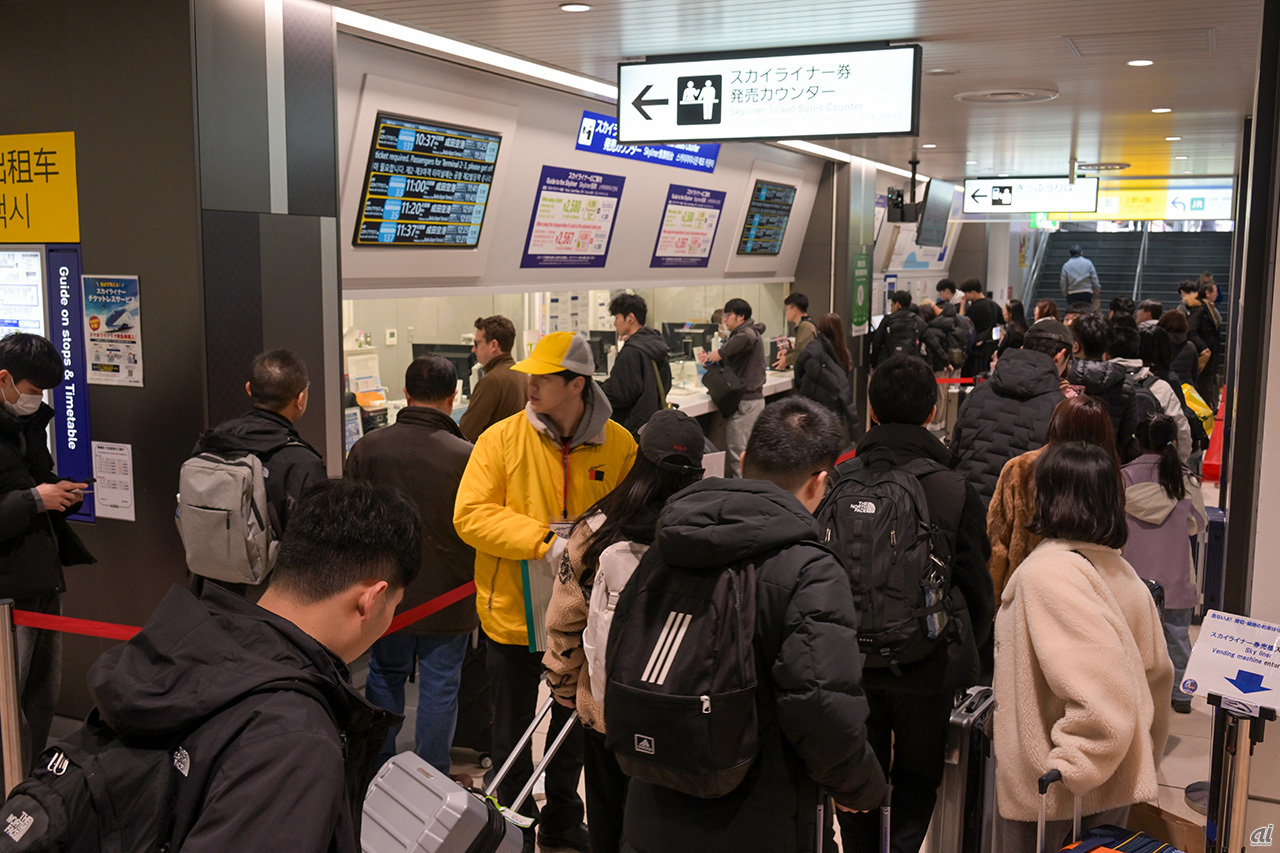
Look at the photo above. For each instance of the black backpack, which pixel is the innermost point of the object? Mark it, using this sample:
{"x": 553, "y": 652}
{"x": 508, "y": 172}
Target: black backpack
{"x": 904, "y": 334}
{"x": 962, "y": 337}
{"x": 1144, "y": 399}
{"x": 680, "y": 701}
{"x": 876, "y": 519}
{"x": 99, "y": 792}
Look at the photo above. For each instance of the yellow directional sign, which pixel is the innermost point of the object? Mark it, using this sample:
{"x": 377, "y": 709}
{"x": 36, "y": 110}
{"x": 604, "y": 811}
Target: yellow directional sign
{"x": 38, "y": 198}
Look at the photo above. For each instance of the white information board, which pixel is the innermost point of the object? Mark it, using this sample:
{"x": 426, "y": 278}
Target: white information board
{"x": 113, "y": 491}
{"x": 1030, "y": 195}
{"x": 22, "y": 290}
{"x": 1235, "y": 657}
{"x": 834, "y": 90}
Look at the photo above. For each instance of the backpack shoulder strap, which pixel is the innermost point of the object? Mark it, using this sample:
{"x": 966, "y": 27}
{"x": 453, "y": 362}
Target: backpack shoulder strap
{"x": 657, "y": 377}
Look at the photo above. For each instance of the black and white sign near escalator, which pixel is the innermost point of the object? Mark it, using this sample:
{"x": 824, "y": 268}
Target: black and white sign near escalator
{"x": 427, "y": 184}
{"x": 787, "y": 93}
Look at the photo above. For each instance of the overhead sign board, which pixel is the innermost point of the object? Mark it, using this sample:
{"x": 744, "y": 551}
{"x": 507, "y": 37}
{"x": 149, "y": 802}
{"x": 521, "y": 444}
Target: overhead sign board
{"x": 1030, "y": 195}
{"x": 1237, "y": 658}
{"x": 38, "y": 195}
{"x": 831, "y": 90}
{"x": 598, "y": 133}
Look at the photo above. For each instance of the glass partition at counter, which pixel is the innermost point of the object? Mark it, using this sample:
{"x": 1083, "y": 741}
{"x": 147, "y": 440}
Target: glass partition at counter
{"x": 394, "y": 327}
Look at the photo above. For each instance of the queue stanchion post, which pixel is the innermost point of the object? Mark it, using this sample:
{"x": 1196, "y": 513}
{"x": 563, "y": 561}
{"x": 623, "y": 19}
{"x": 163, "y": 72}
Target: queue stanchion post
{"x": 10, "y": 719}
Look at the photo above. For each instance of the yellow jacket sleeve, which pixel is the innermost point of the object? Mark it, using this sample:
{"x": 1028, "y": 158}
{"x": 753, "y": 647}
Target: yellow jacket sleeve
{"x": 481, "y": 516}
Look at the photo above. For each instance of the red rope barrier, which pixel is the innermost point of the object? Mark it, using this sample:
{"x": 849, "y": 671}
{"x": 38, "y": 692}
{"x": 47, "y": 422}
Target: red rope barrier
{"x": 110, "y": 631}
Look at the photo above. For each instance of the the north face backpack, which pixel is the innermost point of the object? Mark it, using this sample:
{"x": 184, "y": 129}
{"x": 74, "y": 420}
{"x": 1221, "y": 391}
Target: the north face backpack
{"x": 618, "y": 563}
{"x": 680, "y": 700}
{"x": 963, "y": 337}
{"x": 227, "y": 526}
{"x": 904, "y": 335}
{"x": 876, "y": 519}
{"x": 98, "y": 792}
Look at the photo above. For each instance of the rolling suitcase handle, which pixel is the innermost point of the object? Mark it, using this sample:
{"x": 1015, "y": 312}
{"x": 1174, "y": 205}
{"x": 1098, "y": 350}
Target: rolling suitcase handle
{"x": 1045, "y": 781}
{"x": 547, "y": 754}
{"x": 885, "y": 840}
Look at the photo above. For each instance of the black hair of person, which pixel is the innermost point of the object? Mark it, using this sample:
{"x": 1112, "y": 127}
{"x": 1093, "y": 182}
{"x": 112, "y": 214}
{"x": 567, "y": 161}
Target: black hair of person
{"x": 1042, "y": 344}
{"x": 1161, "y": 351}
{"x": 1124, "y": 343}
{"x": 971, "y": 285}
{"x": 1189, "y": 286}
{"x": 799, "y": 300}
{"x": 568, "y": 376}
{"x": 946, "y": 284}
{"x": 32, "y": 358}
{"x": 903, "y": 390}
{"x": 630, "y": 303}
{"x": 344, "y": 532}
{"x": 1122, "y": 305}
{"x": 645, "y": 490}
{"x": 741, "y": 307}
{"x": 902, "y": 299}
{"x": 1017, "y": 315}
{"x": 430, "y": 378}
{"x": 793, "y": 439}
{"x": 1157, "y": 433}
{"x": 1153, "y": 307}
{"x": 1093, "y": 333}
{"x": 1079, "y": 496}
{"x": 276, "y": 378}
{"x": 1124, "y": 321}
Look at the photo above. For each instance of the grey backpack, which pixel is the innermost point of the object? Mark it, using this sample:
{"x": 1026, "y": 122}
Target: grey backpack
{"x": 227, "y": 526}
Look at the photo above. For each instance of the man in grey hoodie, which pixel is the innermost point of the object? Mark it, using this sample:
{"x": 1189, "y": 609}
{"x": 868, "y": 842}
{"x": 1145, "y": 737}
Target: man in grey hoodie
{"x": 744, "y": 354}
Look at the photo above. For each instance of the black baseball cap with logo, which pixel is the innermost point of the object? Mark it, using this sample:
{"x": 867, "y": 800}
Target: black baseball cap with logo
{"x": 672, "y": 440}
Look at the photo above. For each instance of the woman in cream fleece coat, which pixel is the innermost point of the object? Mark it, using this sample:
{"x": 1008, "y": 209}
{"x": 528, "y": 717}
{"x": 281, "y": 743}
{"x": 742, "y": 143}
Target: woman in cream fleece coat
{"x": 1082, "y": 674}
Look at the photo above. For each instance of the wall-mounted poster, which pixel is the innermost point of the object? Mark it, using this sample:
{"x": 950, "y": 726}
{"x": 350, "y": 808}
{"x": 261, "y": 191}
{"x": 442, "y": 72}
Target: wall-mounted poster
{"x": 572, "y": 221}
{"x": 426, "y": 184}
{"x": 113, "y": 329}
{"x": 688, "y": 227}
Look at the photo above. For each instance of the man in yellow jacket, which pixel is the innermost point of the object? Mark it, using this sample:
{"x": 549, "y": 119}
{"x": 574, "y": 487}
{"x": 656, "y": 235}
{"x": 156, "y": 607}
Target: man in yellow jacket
{"x": 529, "y": 477}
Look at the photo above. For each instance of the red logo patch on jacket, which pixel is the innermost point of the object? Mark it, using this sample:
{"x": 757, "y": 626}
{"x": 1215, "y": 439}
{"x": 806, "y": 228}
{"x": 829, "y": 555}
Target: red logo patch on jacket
{"x": 596, "y": 474}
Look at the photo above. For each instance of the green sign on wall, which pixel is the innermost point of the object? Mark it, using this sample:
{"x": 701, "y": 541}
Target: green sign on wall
{"x": 860, "y": 315}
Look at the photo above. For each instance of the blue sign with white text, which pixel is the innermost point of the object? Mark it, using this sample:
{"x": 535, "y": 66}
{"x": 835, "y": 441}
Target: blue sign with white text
{"x": 598, "y": 134}
{"x": 71, "y": 447}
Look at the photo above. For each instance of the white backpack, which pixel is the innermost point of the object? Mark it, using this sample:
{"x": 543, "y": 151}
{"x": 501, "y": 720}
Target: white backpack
{"x": 617, "y": 564}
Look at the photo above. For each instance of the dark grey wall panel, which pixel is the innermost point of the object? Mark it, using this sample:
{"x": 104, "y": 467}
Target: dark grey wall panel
{"x": 139, "y": 214}
{"x": 293, "y": 307}
{"x": 233, "y": 308}
{"x": 231, "y": 74}
{"x": 310, "y": 108}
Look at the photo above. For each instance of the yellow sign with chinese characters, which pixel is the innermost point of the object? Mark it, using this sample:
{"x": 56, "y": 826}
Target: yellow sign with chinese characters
{"x": 38, "y": 198}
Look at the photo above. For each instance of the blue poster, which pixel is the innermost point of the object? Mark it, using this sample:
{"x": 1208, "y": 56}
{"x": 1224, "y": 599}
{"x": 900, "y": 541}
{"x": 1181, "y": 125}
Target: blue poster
{"x": 113, "y": 329}
{"x": 71, "y": 448}
{"x": 688, "y": 228}
{"x": 572, "y": 221}
{"x": 598, "y": 134}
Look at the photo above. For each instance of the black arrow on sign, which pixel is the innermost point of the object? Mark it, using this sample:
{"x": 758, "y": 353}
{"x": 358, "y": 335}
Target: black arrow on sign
{"x": 639, "y": 103}
{"x": 974, "y": 195}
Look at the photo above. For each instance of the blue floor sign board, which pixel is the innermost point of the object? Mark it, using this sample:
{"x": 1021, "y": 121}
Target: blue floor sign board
{"x": 1236, "y": 657}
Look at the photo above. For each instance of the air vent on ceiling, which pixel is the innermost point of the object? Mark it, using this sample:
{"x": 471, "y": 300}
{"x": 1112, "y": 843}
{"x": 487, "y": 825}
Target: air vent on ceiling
{"x": 1010, "y": 95}
{"x": 1102, "y": 167}
{"x": 1145, "y": 44}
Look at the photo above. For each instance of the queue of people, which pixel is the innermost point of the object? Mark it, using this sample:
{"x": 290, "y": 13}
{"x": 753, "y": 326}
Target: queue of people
{"x": 1041, "y": 537}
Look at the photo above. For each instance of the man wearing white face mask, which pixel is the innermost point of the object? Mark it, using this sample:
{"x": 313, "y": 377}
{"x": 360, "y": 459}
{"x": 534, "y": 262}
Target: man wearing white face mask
{"x": 35, "y": 539}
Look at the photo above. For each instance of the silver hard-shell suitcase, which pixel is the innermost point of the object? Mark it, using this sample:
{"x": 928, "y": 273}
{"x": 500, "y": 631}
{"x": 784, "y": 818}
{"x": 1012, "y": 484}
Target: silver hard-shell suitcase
{"x": 963, "y": 815}
{"x": 412, "y": 808}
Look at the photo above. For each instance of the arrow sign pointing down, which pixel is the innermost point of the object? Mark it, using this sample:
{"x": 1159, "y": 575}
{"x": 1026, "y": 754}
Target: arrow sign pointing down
{"x": 1247, "y": 682}
{"x": 640, "y": 103}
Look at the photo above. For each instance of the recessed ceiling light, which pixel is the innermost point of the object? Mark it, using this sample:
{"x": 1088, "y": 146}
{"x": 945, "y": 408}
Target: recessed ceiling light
{"x": 1188, "y": 172}
{"x": 1181, "y": 157}
{"x": 971, "y": 162}
{"x": 1140, "y": 63}
{"x": 575, "y": 7}
{"x": 928, "y": 145}
{"x": 1162, "y": 110}
{"x": 1173, "y": 139}
{"x": 1003, "y": 175}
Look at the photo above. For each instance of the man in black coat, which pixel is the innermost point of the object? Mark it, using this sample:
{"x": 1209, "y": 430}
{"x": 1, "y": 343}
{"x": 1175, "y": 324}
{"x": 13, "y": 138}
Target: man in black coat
{"x": 813, "y": 711}
{"x": 1103, "y": 379}
{"x": 1009, "y": 414}
{"x": 641, "y": 377}
{"x": 899, "y": 332}
{"x": 35, "y": 539}
{"x": 911, "y": 711}
{"x": 422, "y": 455}
{"x": 278, "y": 386}
{"x": 274, "y": 770}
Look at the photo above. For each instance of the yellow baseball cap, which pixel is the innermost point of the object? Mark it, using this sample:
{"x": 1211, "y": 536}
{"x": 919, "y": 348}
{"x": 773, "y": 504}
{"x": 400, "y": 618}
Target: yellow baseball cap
{"x": 556, "y": 352}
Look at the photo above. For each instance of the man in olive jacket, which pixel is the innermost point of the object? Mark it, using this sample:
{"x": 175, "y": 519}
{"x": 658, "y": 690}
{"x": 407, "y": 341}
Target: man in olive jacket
{"x": 422, "y": 455}
{"x": 35, "y": 539}
{"x": 501, "y": 392}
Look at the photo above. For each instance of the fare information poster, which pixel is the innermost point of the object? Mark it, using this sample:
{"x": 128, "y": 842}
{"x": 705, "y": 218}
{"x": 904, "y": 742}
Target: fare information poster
{"x": 572, "y": 221}
{"x": 688, "y": 228}
{"x": 113, "y": 329}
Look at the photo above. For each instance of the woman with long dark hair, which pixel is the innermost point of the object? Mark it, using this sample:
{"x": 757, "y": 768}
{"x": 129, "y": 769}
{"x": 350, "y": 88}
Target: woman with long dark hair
{"x": 1164, "y": 507}
{"x": 603, "y": 550}
{"x": 1184, "y": 362}
{"x": 1014, "y": 501}
{"x": 1081, "y": 670}
{"x": 1015, "y": 318}
{"x": 822, "y": 373}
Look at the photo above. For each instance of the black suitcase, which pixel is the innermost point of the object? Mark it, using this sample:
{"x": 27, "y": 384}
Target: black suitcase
{"x": 1210, "y": 548}
{"x": 962, "y": 817}
{"x": 475, "y": 709}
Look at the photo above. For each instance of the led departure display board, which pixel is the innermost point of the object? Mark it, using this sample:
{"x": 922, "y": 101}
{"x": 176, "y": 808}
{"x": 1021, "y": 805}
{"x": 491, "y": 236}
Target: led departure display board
{"x": 426, "y": 184}
{"x": 767, "y": 216}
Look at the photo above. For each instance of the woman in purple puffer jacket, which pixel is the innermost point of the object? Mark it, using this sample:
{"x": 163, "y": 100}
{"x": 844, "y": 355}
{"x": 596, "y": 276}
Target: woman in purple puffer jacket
{"x": 1164, "y": 507}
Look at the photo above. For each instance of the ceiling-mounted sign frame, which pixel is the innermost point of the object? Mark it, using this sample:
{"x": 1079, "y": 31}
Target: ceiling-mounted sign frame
{"x": 1030, "y": 195}
{"x": 868, "y": 89}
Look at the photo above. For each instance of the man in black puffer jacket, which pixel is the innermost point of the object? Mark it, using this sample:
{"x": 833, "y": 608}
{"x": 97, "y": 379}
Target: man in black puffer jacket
{"x": 822, "y": 378}
{"x": 812, "y": 709}
{"x": 641, "y": 377}
{"x": 1009, "y": 414}
{"x": 1103, "y": 379}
